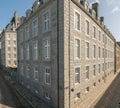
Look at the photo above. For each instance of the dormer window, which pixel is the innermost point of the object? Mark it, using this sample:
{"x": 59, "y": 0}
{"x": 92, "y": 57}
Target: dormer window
{"x": 35, "y": 5}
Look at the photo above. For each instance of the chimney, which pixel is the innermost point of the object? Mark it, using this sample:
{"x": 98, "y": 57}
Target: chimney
{"x": 102, "y": 20}
{"x": 28, "y": 12}
{"x": 82, "y": 2}
{"x": 95, "y": 7}
{"x": 16, "y": 18}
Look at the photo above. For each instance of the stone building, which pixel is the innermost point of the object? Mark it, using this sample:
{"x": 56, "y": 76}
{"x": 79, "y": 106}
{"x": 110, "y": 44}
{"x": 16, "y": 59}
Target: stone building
{"x": 64, "y": 52}
{"x": 8, "y": 41}
{"x": 117, "y": 56}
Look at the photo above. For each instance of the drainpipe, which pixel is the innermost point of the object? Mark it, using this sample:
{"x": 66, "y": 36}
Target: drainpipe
{"x": 69, "y": 57}
{"x": 58, "y": 48}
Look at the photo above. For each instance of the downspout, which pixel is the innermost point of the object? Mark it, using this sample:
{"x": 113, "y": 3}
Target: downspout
{"x": 58, "y": 48}
{"x": 69, "y": 55}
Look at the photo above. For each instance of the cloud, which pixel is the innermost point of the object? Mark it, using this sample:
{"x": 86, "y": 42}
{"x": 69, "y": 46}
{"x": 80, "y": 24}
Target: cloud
{"x": 110, "y": 2}
{"x": 98, "y": 1}
{"x": 115, "y": 9}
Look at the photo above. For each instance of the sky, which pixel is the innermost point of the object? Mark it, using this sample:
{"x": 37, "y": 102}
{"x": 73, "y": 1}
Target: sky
{"x": 110, "y": 9}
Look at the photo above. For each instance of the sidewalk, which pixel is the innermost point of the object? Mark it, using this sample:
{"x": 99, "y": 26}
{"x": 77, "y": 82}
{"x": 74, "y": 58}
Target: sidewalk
{"x": 97, "y": 93}
{"x": 33, "y": 100}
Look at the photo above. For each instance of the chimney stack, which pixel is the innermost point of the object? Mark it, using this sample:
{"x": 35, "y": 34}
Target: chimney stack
{"x": 102, "y": 20}
{"x": 95, "y": 7}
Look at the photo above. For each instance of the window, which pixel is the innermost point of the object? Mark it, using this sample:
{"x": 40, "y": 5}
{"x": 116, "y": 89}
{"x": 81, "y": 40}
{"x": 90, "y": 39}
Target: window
{"x": 94, "y": 84}
{"x": 99, "y": 33}
{"x": 27, "y": 71}
{"x": 87, "y": 72}
{"x": 103, "y": 38}
{"x": 94, "y": 70}
{"x": 9, "y": 36}
{"x": 87, "y": 50}
{"x": 87, "y": 89}
{"x": 14, "y": 36}
{"x": 8, "y": 42}
{"x": 14, "y": 48}
{"x": 103, "y": 67}
{"x": 46, "y": 49}
{"x": 99, "y": 52}
{"x": 35, "y": 51}
{"x": 15, "y": 56}
{"x": 87, "y": 27}
{"x": 77, "y": 96}
{"x": 9, "y": 62}
{"x": 77, "y": 48}
{"x": 15, "y": 62}
{"x": 47, "y": 75}
{"x": 9, "y": 49}
{"x": 77, "y": 21}
{"x": 47, "y": 95}
{"x": 94, "y": 32}
{"x": 15, "y": 43}
{"x": 46, "y": 21}
{"x": 9, "y": 55}
{"x": 36, "y": 72}
{"x": 27, "y": 52}
{"x": 99, "y": 68}
{"x": 35, "y": 27}
{"x": 77, "y": 75}
{"x": 94, "y": 51}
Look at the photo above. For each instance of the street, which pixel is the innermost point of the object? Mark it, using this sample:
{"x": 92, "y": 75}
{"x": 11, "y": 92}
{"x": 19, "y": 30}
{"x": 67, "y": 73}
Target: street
{"x": 8, "y": 98}
{"x": 111, "y": 98}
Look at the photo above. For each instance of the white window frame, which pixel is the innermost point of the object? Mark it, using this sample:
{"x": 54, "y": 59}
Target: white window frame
{"x": 94, "y": 51}
{"x": 46, "y": 48}
{"x": 48, "y": 75}
{"x": 36, "y": 76}
{"x": 35, "y": 27}
{"x": 94, "y": 32}
{"x": 87, "y": 50}
{"x": 99, "y": 35}
{"x": 47, "y": 21}
{"x": 27, "y": 51}
{"x": 99, "y": 52}
{"x": 87, "y": 29}
{"x": 94, "y": 70}
{"x": 75, "y": 23}
{"x": 99, "y": 69}
{"x": 75, "y": 56}
{"x": 27, "y": 71}
{"x": 47, "y": 95}
{"x": 77, "y": 82}
{"x": 87, "y": 77}
{"x": 35, "y": 50}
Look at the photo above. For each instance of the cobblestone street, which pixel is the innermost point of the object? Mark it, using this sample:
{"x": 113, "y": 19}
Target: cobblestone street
{"x": 111, "y": 98}
{"x": 8, "y": 98}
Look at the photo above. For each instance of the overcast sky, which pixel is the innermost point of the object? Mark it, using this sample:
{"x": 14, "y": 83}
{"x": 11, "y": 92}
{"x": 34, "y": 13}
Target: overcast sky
{"x": 110, "y": 9}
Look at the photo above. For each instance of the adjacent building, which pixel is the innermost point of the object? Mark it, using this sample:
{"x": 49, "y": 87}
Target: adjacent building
{"x": 64, "y": 51}
{"x": 9, "y": 43}
{"x": 117, "y": 56}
